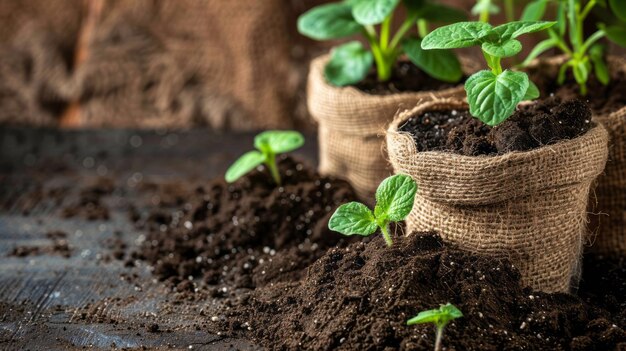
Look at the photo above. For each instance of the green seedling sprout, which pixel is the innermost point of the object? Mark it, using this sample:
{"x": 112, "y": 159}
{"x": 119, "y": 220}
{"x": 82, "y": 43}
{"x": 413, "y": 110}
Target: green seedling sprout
{"x": 486, "y": 8}
{"x": 492, "y": 94}
{"x": 268, "y": 144}
{"x": 351, "y": 62}
{"x": 394, "y": 200}
{"x": 440, "y": 317}
{"x": 585, "y": 55}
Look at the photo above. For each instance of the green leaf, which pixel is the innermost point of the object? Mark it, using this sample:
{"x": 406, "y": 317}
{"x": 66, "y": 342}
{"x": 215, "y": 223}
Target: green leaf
{"x": 439, "y": 64}
{"x": 279, "y": 141}
{"x": 539, "y": 49}
{"x": 561, "y": 18}
{"x": 394, "y": 198}
{"x": 619, "y": 9}
{"x": 581, "y": 72}
{"x": 508, "y": 48}
{"x": 353, "y": 218}
{"x": 441, "y": 13}
{"x": 370, "y": 12}
{"x": 349, "y": 64}
{"x": 532, "y": 92}
{"x": 413, "y": 6}
{"x": 249, "y": 161}
{"x": 440, "y": 316}
{"x": 534, "y": 11}
{"x": 457, "y": 35}
{"x": 600, "y": 69}
{"x": 515, "y": 29}
{"x": 330, "y": 21}
{"x": 493, "y": 98}
{"x": 616, "y": 34}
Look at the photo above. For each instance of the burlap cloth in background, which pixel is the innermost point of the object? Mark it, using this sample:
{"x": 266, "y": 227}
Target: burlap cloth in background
{"x": 351, "y": 127}
{"x": 607, "y": 204}
{"x": 170, "y": 63}
{"x": 529, "y": 206}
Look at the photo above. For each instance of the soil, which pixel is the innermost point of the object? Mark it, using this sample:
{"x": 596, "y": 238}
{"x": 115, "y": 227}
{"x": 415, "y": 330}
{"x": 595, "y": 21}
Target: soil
{"x": 545, "y": 122}
{"x": 359, "y": 298}
{"x": 59, "y": 247}
{"x": 242, "y": 234}
{"x": 89, "y": 205}
{"x": 406, "y": 77}
{"x": 601, "y": 98}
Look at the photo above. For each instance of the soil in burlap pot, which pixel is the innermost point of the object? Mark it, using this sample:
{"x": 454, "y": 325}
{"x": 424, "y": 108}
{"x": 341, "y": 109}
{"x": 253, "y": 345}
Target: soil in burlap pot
{"x": 527, "y": 206}
{"x": 351, "y": 125}
{"x": 607, "y": 204}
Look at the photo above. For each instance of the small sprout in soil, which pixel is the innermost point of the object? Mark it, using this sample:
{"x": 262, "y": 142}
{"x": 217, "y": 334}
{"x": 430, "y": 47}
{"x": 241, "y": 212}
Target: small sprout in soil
{"x": 440, "y": 317}
{"x": 351, "y": 62}
{"x": 492, "y": 94}
{"x": 585, "y": 55}
{"x": 269, "y": 144}
{"x": 394, "y": 200}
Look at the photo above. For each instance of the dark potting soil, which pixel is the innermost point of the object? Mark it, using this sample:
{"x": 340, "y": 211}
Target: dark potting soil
{"x": 359, "y": 298}
{"x": 89, "y": 204}
{"x": 544, "y": 122}
{"x": 604, "y": 284}
{"x": 246, "y": 233}
{"x": 406, "y": 77}
{"x": 601, "y": 98}
{"x": 59, "y": 246}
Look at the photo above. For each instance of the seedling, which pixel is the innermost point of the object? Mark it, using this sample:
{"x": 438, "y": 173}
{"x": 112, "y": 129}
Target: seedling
{"x": 269, "y": 144}
{"x": 394, "y": 200}
{"x": 486, "y": 8}
{"x": 440, "y": 317}
{"x": 350, "y": 63}
{"x": 492, "y": 94}
{"x": 585, "y": 55}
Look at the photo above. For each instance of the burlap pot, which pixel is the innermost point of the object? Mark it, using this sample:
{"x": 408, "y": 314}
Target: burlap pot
{"x": 351, "y": 125}
{"x": 608, "y": 202}
{"x": 529, "y": 206}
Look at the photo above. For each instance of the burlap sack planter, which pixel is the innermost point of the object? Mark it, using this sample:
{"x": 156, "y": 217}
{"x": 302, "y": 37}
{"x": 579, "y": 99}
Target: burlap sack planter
{"x": 351, "y": 125}
{"x": 528, "y": 206}
{"x": 608, "y": 201}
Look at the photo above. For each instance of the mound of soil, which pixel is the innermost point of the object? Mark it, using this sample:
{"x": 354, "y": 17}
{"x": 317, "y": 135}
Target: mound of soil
{"x": 604, "y": 284}
{"x": 360, "y": 297}
{"x": 601, "y": 98}
{"x": 406, "y": 77}
{"x": 545, "y": 122}
{"x": 236, "y": 234}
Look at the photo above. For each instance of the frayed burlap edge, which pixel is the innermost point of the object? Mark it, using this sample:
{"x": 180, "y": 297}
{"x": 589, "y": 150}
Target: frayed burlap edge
{"x": 529, "y": 206}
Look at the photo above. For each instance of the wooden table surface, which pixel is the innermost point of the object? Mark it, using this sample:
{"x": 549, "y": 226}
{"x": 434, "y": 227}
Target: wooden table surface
{"x": 48, "y": 302}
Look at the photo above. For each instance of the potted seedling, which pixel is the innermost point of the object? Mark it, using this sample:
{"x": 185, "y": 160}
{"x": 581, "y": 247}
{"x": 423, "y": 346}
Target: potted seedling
{"x": 440, "y": 317}
{"x": 394, "y": 201}
{"x": 513, "y": 183}
{"x": 268, "y": 144}
{"x": 354, "y": 92}
{"x": 584, "y": 62}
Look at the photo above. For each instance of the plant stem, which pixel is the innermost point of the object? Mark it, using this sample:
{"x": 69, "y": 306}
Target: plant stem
{"x": 385, "y": 230}
{"x": 484, "y": 15}
{"x": 422, "y": 28}
{"x": 384, "y": 32}
{"x": 406, "y": 25}
{"x": 493, "y": 63}
{"x": 271, "y": 165}
{"x": 383, "y": 66}
{"x": 509, "y": 10}
{"x": 438, "y": 338}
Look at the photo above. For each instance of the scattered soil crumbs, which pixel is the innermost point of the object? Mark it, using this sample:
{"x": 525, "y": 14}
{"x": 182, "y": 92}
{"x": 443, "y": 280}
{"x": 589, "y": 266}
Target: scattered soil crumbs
{"x": 406, "y": 77}
{"x": 601, "y": 98}
{"x": 243, "y": 234}
{"x": 59, "y": 247}
{"x": 89, "y": 205}
{"x": 545, "y": 122}
{"x": 359, "y": 298}
{"x": 604, "y": 284}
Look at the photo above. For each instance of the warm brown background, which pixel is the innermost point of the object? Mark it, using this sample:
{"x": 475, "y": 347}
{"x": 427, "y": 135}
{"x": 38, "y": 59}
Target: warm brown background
{"x": 235, "y": 64}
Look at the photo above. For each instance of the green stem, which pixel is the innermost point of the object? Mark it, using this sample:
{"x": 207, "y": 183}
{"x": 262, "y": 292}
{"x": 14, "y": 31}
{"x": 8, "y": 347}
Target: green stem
{"x": 385, "y": 230}
{"x": 384, "y": 32}
{"x": 509, "y": 10}
{"x": 383, "y": 67}
{"x": 592, "y": 39}
{"x": 560, "y": 43}
{"x": 406, "y": 25}
{"x": 572, "y": 12}
{"x": 494, "y": 63}
{"x": 587, "y": 9}
{"x": 438, "y": 338}
{"x": 422, "y": 28}
{"x": 484, "y": 15}
{"x": 271, "y": 165}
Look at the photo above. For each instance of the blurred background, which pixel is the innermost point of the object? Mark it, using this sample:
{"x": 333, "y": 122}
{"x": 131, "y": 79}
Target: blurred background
{"x": 225, "y": 65}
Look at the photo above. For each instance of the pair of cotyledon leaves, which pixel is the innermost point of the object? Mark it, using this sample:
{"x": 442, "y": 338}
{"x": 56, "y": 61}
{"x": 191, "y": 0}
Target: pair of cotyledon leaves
{"x": 492, "y": 96}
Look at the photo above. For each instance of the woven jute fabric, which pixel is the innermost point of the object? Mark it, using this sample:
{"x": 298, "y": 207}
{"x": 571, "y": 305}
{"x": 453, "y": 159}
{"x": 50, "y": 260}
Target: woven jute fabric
{"x": 351, "y": 127}
{"x": 529, "y": 206}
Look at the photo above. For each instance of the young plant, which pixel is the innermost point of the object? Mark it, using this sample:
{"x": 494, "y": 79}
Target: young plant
{"x": 351, "y": 62}
{"x": 492, "y": 94}
{"x": 440, "y": 317}
{"x": 585, "y": 55}
{"x": 394, "y": 200}
{"x": 486, "y": 8}
{"x": 269, "y": 144}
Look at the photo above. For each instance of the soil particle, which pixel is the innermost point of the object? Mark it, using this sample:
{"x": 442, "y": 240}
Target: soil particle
{"x": 89, "y": 205}
{"x": 59, "y": 247}
{"x": 359, "y": 298}
{"x": 545, "y": 122}
{"x": 406, "y": 77}
{"x": 243, "y": 234}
